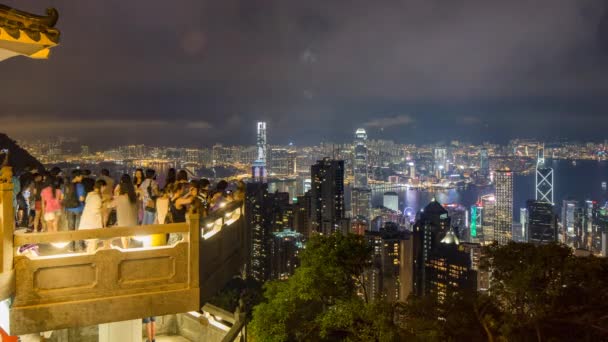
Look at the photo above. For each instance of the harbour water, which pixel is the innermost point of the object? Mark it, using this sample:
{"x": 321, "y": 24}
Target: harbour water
{"x": 580, "y": 181}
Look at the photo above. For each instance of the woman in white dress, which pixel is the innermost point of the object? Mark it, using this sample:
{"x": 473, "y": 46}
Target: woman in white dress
{"x": 92, "y": 214}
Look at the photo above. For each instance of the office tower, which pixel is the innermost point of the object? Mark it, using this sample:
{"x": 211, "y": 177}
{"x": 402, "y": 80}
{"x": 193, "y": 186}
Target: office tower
{"x": 285, "y": 248}
{"x": 432, "y": 224}
{"x": 504, "y": 206}
{"x": 568, "y": 221}
{"x": 412, "y": 169}
{"x": 484, "y": 162}
{"x": 391, "y": 274}
{"x": 256, "y": 216}
{"x": 544, "y": 179}
{"x": 520, "y": 233}
{"x": 361, "y": 202}
{"x": 301, "y": 216}
{"x": 476, "y": 222}
{"x": 390, "y": 200}
{"x": 542, "y": 223}
{"x": 449, "y": 269}
{"x": 282, "y": 162}
{"x": 360, "y": 159}
{"x": 488, "y": 220}
{"x": 280, "y": 210}
{"x": 259, "y": 171}
{"x": 459, "y": 218}
{"x": 327, "y": 196}
{"x": 440, "y": 161}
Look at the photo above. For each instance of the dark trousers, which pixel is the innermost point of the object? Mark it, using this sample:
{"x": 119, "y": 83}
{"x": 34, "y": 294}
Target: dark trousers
{"x": 73, "y": 223}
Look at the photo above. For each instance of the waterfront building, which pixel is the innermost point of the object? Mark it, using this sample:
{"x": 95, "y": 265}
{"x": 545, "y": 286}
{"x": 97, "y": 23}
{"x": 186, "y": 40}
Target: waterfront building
{"x": 391, "y": 200}
{"x": 504, "y": 206}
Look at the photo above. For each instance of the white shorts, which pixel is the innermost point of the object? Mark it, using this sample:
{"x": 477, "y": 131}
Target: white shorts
{"x": 52, "y": 215}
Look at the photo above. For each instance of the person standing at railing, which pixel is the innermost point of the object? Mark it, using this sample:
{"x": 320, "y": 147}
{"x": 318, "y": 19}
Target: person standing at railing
{"x": 107, "y": 195}
{"x": 149, "y": 191}
{"x": 92, "y": 216}
{"x": 39, "y": 180}
{"x": 125, "y": 202}
{"x": 52, "y": 197}
{"x": 73, "y": 202}
{"x": 138, "y": 179}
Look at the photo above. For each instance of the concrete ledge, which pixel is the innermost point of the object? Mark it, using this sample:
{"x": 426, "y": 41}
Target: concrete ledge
{"x": 32, "y": 319}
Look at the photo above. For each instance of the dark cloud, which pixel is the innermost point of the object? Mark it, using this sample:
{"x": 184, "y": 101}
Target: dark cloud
{"x": 315, "y": 70}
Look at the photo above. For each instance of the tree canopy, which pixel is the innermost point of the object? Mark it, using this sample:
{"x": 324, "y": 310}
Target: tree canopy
{"x": 319, "y": 302}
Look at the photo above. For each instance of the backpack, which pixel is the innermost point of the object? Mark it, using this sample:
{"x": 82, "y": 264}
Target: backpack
{"x": 70, "y": 199}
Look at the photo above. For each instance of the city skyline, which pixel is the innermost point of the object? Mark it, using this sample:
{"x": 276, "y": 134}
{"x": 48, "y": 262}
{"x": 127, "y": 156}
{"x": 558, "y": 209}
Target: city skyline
{"x": 473, "y": 71}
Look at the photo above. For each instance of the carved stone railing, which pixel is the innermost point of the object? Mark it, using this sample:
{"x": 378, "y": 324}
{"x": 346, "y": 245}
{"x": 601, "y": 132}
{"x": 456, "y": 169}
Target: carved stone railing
{"x": 112, "y": 284}
{"x": 54, "y": 289}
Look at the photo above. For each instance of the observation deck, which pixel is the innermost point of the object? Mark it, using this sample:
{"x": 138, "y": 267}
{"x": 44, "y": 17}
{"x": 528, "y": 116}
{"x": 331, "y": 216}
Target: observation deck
{"x": 54, "y": 289}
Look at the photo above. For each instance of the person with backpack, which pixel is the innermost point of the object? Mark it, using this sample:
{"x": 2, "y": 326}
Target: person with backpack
{"x": 73, "y": 202}
{"x": 149, "y": 193}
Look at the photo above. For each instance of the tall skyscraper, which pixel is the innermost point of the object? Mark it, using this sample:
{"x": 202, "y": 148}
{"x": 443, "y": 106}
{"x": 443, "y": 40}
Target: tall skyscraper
{"x": 360, "y": 202}
{"x": 488, "y": 219}
{"x": 360, "y": 159}
{"x": 256, "y": 216}
{"x": 391, "y": 273}
{"x": 504, "y": 206}
{"x": 544, "y": 179}
{"x": 476, "y": 222}
{"x": 429, "y": 229}
{"x": 285, "y": 248}
{"x": 327, "y": 196}
{"x": 522, "y": 235}
{"x": 259, "y": 171}
{"x": 361, "y": 195}
{"x": 484, "y": 162}
{"x": 568, "y": 220}
{"x": 440, "y": 161}
{"x": 542, "y": 223}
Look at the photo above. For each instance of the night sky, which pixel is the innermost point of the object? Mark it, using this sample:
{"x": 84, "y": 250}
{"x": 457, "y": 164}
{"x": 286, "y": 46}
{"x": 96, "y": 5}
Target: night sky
{"x": 196, "y": 72}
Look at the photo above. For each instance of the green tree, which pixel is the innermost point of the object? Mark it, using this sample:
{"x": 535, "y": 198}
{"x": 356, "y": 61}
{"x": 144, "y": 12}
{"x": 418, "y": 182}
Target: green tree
{"x": 546, "y": 293}
{"x": 319, "y": 302}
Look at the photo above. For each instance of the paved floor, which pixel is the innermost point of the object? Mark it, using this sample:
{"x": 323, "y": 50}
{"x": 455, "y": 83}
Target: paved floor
{"x": 170, "y": 339}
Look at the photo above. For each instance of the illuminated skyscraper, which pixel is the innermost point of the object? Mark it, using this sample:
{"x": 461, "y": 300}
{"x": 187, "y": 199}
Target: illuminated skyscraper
{"x": 484, "y": 162}
{"x": 476, "y": 222}
{"x": 429, "y": 229}
{"x": 568, "y": 219}
{"x": 488, "y": 219}
{"x": 361, "y": 199}
{"x": 542, "y": 224}
{"x": 360, "y": 159}
{"x": 440, "y": 161}
{"x": 327, "y": 196}
{"x": 391, "y": 273}
{"x": 504, "y": 206}
{"x": 360, "y": 202}
{"x": 544, "y": 179}
{"x": 259, "y": 171}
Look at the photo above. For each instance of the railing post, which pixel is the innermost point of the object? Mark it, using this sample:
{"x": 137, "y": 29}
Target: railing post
{"x": 7, "y": 227}
{"x": 194, "y": 241}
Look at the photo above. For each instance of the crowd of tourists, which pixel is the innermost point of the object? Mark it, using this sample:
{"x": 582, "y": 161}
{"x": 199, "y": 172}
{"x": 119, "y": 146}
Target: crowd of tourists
{"x": 52, "y": 200}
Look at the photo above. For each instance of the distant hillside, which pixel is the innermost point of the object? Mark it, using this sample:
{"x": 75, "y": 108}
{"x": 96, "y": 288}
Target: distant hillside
{"x": 19, "y": 158}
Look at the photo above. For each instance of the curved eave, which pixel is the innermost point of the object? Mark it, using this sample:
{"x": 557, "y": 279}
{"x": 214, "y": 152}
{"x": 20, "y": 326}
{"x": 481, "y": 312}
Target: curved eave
{"x": 22, "y": 44}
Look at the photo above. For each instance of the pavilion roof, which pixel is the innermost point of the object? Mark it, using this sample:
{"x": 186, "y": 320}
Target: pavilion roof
{"x": 27, "y": 34}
